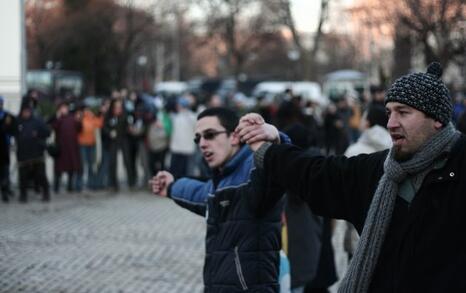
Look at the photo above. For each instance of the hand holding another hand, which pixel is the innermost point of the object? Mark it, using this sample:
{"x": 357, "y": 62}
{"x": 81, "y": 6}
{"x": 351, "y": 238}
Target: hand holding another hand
{"x": 253, "y": 130}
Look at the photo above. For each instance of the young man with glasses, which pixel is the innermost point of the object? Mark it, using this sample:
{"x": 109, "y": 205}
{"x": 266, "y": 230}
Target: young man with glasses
{"x": 243, "y": 233}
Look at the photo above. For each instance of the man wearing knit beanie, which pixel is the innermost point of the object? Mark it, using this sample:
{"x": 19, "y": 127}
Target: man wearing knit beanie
{"x": 407, "y": 203}
{"x": 418, "y": 94}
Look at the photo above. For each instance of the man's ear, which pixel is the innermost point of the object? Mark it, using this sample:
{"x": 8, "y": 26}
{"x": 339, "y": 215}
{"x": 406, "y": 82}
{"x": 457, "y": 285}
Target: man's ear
{"x": 234, "y": 138}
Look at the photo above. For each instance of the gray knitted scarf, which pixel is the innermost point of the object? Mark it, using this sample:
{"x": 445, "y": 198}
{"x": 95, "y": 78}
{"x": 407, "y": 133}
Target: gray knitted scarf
{"x": 361, "y": 268}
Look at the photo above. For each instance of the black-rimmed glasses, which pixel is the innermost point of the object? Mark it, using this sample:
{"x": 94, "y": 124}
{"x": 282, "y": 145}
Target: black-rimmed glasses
{"x": 208, "y": 135}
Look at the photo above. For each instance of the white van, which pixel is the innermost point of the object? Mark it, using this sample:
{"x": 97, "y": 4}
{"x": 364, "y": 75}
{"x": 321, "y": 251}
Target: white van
{"x": 170, "y": 88}
{"x": 308, "y": 90}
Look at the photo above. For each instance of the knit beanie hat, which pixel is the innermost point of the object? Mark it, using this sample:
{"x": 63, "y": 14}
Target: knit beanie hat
{"x": 425, "y": 92}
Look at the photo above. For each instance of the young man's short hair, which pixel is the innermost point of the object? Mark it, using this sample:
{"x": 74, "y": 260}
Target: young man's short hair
{"x": 228, "y": 118}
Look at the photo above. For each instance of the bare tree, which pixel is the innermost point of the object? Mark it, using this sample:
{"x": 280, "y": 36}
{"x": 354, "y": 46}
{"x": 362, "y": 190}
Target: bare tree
{"x": 308, "y": 57}
{"x": 323, "y": 17}
{"x": 435, "y": 24}
{"x": 242, "y": 29}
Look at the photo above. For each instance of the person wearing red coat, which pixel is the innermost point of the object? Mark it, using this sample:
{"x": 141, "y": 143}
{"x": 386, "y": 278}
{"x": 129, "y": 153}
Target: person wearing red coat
{"x": 67, "y": 128}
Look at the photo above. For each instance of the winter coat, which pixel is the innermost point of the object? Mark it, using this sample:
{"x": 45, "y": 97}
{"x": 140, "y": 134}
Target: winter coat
{"x": 114, "y": 130}
{"x": 66, "y": 136}
{"x": 425, "y": 247}
{"x": 372, "y": 140}
{"x": 304, "y": 241}
{"x": 30, "y": 135}
{"x": 7, "y": 125}
{"x": 243, "y": 231}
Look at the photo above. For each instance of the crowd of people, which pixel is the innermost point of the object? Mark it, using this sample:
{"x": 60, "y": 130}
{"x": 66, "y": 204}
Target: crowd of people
{"x": 240, "y": 188}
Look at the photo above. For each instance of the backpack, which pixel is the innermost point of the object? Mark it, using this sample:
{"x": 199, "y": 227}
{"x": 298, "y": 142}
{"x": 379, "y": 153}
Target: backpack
{"x": 157, "y": 138}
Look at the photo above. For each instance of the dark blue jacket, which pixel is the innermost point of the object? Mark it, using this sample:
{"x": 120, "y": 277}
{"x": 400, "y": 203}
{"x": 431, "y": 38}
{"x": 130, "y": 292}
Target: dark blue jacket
{"x": 30, "y": 136}
{"x": 243, "y": 231}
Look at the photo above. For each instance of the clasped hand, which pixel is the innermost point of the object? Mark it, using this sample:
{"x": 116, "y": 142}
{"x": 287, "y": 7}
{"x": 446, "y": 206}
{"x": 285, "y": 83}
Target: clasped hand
{"x": 253, "y": 130}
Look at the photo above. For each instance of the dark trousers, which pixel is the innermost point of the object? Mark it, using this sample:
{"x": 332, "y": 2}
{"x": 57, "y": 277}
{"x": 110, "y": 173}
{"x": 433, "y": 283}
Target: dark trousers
{"x": 113, "y": 164}
{"x": 5, "y": 181}
{"x": 133, "y": 150}
{"x": 157, "y": 161}
{"x": 179, "y": 165}
{"x": 72, "y": 176}
{"x": 34, "y": 170}
{"x": 103, "y": 172}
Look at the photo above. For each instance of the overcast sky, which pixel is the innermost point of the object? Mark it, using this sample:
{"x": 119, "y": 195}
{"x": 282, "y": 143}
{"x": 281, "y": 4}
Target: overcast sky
{"x": 306, "y": 14}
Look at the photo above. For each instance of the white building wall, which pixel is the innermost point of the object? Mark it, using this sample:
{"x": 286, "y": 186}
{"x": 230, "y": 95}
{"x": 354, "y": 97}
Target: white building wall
{"x": 12, "y": 53}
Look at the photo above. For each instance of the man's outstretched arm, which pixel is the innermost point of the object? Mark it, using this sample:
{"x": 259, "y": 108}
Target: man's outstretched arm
{"x": 334, "y": 187}
{"x": 188, "y": 193}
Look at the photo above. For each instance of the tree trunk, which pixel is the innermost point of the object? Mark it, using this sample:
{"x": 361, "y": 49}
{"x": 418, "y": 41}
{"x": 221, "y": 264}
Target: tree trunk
{"x": 402, "y": 53}
{"x": 313, "y": 64}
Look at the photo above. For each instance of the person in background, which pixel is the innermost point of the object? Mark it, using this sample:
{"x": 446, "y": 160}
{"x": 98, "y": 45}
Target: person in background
{"x": 304, "y": 229}
{"x": 114, "y": 133}
{"x": 462, "y": 123}
{"x": 67, "y": 127}
{"x": 157, "y": 140}
{"x": 87, "y": 146}
{"x": 104, "y": 162}
{"x": 30, "y": 134}
{"x": 377, "y": 95}
{"x": 7, "y": 124}
{"x": 134, "y": 109}
{"x": 182, "y": 146}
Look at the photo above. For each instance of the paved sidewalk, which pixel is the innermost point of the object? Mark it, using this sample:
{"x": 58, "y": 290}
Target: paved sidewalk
{"x": 100, "y": 243}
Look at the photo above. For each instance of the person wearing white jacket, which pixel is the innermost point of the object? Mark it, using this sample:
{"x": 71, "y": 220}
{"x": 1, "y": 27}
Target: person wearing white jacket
{"x": 182, "y": 145}
{"x": 374, "y": 134}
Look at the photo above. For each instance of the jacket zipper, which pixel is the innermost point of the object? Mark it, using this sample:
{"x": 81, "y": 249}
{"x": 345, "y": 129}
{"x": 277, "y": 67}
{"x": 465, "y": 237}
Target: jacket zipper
{"x": 239, "y": 271}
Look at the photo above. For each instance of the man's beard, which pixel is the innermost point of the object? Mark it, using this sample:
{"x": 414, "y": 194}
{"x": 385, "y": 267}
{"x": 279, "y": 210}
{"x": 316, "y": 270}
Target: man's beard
{"x": 401, "y": 156}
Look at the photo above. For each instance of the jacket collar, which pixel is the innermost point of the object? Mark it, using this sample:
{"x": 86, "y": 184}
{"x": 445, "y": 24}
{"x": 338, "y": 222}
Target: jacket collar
{"x": 455, "y": 161}
{"x": 237, "y": 159}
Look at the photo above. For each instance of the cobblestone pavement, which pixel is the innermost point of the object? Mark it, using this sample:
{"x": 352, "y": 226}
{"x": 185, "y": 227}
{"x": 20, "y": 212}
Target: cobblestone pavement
{"x": 100, "y": 243}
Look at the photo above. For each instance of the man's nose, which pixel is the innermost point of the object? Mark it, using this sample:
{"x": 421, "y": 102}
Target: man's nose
{"x": 392, "y": 122}
{"x": 202, "y": 142}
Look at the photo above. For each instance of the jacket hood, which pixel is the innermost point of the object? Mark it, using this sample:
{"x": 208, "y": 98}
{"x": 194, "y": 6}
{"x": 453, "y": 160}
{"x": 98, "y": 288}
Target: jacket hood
{"x": 376, "y": 137}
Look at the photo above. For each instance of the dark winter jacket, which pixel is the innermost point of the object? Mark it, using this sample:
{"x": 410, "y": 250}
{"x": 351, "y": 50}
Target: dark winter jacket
{"x": 425, "y": 247}
{"x": 304, "y": 241}
{"x": 30, "y": 135}
{"x": 243, "y": 232}
{"x": 7, "y": 126}
{"x": 115, "y": 130}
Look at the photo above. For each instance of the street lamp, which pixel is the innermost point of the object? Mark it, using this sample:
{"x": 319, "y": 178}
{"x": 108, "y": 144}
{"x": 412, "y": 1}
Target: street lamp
{"x": 142, "y": 61}
{"x": 293, "y": 56}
